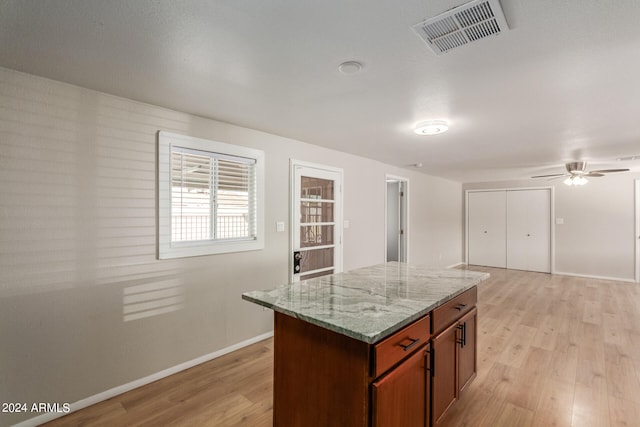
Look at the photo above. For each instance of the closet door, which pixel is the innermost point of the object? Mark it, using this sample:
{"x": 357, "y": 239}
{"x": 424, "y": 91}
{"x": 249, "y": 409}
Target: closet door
{"x": 487, "y": 228}
{"x": 529, "y": 230}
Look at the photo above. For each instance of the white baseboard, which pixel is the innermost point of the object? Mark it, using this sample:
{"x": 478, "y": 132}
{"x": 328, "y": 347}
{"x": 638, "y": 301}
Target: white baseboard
{"x": 108, "y": 394}
{"x": 586, "y": 276}
{"x": 456, "y": 265}
{"x": 589, "y": 276}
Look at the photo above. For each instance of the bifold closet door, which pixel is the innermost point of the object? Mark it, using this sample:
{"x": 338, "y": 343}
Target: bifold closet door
{"x": 487, "y": 228}
{"x": 529, "y": 230}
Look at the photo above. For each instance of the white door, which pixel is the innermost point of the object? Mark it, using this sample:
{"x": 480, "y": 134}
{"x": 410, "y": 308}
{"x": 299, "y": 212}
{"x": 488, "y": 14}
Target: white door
{"x": 316, "y": 231}
{"x": 529, "y": 230}
{"x": 487, "y": 228}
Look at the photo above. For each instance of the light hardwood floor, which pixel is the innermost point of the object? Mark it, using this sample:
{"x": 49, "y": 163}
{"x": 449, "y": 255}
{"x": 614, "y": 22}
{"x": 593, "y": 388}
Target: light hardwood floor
{"x": 232, "y": 390}
{"x": 552, "y": 351}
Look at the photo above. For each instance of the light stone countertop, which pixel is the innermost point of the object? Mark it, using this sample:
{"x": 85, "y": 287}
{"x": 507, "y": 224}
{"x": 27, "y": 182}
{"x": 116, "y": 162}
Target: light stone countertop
{"x": 368, "y": 303}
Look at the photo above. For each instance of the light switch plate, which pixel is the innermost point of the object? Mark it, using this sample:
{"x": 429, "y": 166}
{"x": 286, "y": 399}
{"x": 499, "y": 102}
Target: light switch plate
{"x": 346, "y": 223}
{"x": 280, "y": 226}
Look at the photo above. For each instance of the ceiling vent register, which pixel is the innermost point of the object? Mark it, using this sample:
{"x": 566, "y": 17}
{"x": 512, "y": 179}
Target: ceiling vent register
{"x": 464, "y": 24}
{"x": 628, "y": 158}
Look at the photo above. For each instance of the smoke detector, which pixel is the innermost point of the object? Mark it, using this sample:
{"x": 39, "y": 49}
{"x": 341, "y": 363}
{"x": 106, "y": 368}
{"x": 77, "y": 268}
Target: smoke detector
{"x": 461, "y": 25}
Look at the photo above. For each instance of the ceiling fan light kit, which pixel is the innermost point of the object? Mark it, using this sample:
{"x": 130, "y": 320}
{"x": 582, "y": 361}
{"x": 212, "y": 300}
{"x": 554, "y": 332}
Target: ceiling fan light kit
{"x": 577, "y": 173}
{"x": 576, "y": 180}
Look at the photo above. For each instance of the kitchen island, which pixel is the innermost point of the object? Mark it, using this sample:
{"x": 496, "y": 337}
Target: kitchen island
{"x": 387, "y": 345}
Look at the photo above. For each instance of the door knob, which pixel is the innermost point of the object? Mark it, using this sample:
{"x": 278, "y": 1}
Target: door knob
{"x": 297, "y": 258}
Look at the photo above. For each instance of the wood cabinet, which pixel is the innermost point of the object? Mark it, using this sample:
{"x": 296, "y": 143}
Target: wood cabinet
{"x": 393, "y": 349}
{"x": 324, "y": 378}
{"x": 454, "y": 352}
{"x": 444, "y": 375}
{"x": 321, "y": 378}
{"x": 467, "y": 349}
{"x": 401, "y": 397}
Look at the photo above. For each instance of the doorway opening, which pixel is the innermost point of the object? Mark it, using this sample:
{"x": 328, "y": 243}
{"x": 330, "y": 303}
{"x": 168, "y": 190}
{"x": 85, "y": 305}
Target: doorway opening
{"x": 396, "y": 224}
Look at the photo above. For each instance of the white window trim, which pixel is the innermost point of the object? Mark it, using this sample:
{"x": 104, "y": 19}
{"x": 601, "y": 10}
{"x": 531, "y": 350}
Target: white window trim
{"x": 167, "y": 249}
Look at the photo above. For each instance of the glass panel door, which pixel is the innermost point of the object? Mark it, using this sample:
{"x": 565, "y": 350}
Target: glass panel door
{"x": 316, "y": 234}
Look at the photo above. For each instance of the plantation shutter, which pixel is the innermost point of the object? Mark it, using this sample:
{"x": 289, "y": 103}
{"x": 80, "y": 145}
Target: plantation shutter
{"x": 213, "y": 196}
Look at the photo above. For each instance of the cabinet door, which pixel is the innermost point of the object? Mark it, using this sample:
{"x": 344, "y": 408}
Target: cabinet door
{"x": 529, "y": 230}
{"x": 467, "y": 356}
{"x": 487, "y": 228}
{"x": 444, "y": 374}
{"x": 401, "y": 398}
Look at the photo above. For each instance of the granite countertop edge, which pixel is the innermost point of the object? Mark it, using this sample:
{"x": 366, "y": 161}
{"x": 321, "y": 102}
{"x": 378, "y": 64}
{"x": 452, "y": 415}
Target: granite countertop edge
{"x": 378, "y": 335}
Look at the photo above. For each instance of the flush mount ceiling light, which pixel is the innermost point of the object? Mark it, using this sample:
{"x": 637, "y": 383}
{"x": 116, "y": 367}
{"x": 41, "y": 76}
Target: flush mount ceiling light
{"x": 350, "y": 67}
{"x": 433, "y": 127}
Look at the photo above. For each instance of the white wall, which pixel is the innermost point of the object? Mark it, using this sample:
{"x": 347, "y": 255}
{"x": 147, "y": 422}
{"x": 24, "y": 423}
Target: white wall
{"x": 435, "y": 232}
{"x": 598, "y": 237}
{"x": 78, "y": 235}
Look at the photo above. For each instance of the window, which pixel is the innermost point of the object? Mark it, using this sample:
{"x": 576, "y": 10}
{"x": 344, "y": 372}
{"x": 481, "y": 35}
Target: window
{"x": 210, "y": 197}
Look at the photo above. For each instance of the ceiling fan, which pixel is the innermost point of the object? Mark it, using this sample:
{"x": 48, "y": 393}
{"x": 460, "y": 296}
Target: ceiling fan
{"x": 577, "y": 173}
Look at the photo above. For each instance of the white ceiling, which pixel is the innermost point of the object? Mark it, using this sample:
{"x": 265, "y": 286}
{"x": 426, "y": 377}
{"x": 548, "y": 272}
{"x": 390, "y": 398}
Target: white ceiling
{"x": 560, "y": 85}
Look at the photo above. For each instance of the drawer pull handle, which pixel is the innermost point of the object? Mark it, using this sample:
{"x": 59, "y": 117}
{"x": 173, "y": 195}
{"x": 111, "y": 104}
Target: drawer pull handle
{"x": 408, "y": 346}
{"x": 459, "y": 307}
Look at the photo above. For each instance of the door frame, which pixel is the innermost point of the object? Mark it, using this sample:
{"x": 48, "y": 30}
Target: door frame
{"x": 637, "y": 235}
{"x": 552, "y": 221}
{"x": 404, "y": 216}
{"x": 338, "y": 213}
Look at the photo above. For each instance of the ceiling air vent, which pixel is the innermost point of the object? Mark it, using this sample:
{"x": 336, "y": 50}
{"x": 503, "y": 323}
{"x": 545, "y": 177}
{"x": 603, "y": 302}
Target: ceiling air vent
{"x": 628, "y": 158}
{"x": 461, "y": 25}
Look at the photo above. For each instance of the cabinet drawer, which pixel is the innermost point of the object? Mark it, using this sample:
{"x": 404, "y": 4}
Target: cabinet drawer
{"x": 393, "y": 349}
{"x": 451, "y": 311}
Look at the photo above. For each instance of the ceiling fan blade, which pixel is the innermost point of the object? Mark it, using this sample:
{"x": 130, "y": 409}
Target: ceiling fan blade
{"x": 609, "y": 170}
{"x": 547, "y": 176}
{"x": 593, "y": 174}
